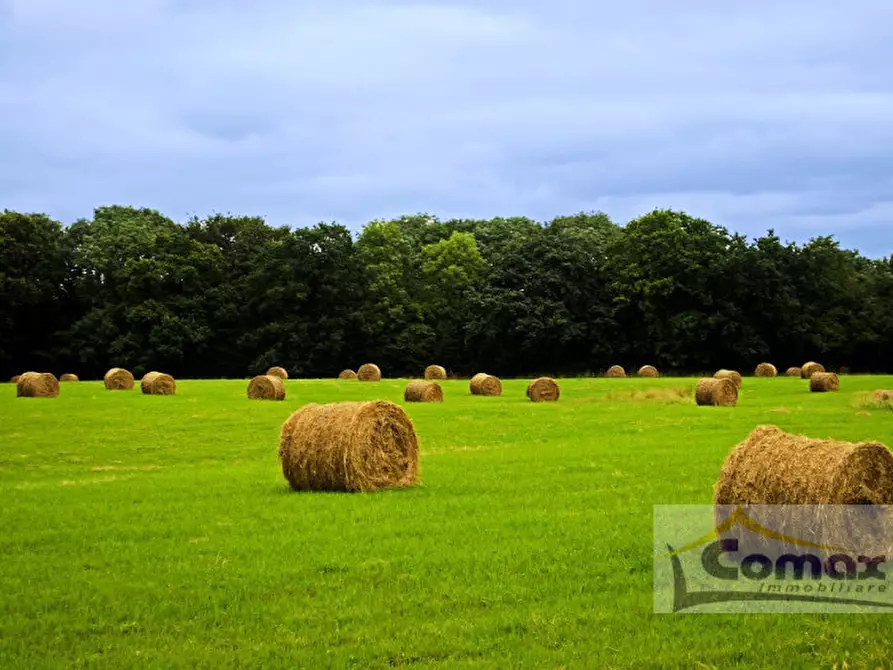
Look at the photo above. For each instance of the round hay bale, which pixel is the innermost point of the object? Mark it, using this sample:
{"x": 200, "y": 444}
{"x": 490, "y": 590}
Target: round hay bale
{"x": 158, "y": 383}
{"x": 809, "y": 369}
{"x": 648, "y": 371}
{"x": 118, "y": 379}
{"x": 717, "y": 391}
{"x": 266, "y": 387}
{"x": 369, "y": 372}
{"x": 792, "y": 372}
{"x": 821, "y": 382}
{"x": 420, "y": 391}
{"x": 276, "y": 371}
{"x": 543, "y": 389}
{"x": 347, "y": 374}
{"x": 765, "y": 370}
{"x": 349, "y": 446}
{"x": 772, "y": 467}
{"x": 734, "y": 375}
{"x": 15, "y": 379}
{"x": 37, "y": 385}
{"x": 69, "y": 377}
{"x": 435, "y": 372}
{"x": 615, "y": 371}
{"x": 484, "y": 384}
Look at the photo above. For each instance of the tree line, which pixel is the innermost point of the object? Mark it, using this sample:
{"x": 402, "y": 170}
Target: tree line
{"x": 229, "y": 296}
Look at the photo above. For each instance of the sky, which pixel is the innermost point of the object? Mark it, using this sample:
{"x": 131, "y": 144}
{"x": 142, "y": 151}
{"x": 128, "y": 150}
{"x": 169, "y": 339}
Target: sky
{"x": 754, "y": 115}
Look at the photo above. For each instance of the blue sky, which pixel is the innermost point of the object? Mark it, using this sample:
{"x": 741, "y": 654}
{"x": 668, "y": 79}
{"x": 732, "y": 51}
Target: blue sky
{"x": 754, "y": 115}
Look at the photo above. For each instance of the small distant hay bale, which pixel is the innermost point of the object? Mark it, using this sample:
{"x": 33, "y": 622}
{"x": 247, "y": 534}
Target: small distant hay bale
{"x": 118, "y": 379}
{"x": 820, "y": 382}
{"x": 435, "y": 372}
{"x": 37, "y": 385}
{"x": 276, "y": 371}
{"x": 369, "y": 372}
{"x": 158, "y": 383}
{"x": 765, "y": 370}
{"x": 543, "y": 389}
{"x": 347, "y": 374}
{"x": 717, "y": 392}
{"x": 792, "y": 372}
{"x": 772, "y": 467}
{"x": 615, "y": 371}
{"x": 419, "y": 391}
{"x": 69, "y": 377}
{"x": 809, "y": 369}
{"x": 648, "y": 371}
{"x": 266, "y": 387}
{"x": 15, "y": 379}
{"x": 484, "y": 384}
{"x": 733, "y": 375}
{"x": 349, "y": 446}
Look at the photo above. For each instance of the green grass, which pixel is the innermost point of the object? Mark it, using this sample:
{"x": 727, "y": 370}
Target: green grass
{"x": 159, "y": 532}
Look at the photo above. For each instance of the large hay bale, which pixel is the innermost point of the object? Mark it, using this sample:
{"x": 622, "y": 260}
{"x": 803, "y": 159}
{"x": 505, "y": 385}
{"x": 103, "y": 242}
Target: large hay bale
{"x": 118, "y": 379}
{"x": 15, "y": 379}
{"x": 809, "y": 369}
{"x": 420, "y": 391}
{"x": 615, "y": 371}
{"x": 69, "y": 377}
{"x": 435, "y": 372}
{"x": 349, "y": 446}
{"x": 821, "y": 382}
{"x": 276, "y": 371}
{"x": 484, "y": 384}
{"x": 543, "y": 389}
{"x": 733, "y": 375}
{"x": 648, "y": 371}
{"x": 347, "y": 374}
{"x": 266, "y": 387}
{"x": 792, "y": 372}
{"x": 765, "y": 370}
{"x": 772, "y": 467}
{"x": 37, "y": 385}
{"x": 717, "y": 391}
{"x": 369, "y": 372}
{"x": 158, "y": 383}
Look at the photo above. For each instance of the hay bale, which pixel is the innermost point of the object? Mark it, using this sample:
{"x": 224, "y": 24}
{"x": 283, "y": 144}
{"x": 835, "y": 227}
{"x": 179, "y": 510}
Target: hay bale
{"x": 792, "y": 372}
{"x": 37, "y": 385}
{"x": 276, "y": 371}
{"x": 15, "y": 379}
{"x": 733, "y": 375}
{"x": 158, "y": 383}
{"x": 266, "y": 387}
{"x": 543, "y": 389}
{"x": 615, "y": 371}
{"x": 349, "y": 446}
{"x": 347, "y": 374}
{"x": 772, "y": 467}
{"x": 484, "y": 384}
{"x": 420, "y": 391}
{"x": 648, "y": 371}
{"x": 821, "y": 382}
{"x": 118, "y": 379}
{"x": 369, "y": 372}
{"x": 717, "y": 391}
{"x": 69, "y": 377}
{"x": 765, "y": 370}
{"x": 809, "y": 369}
{"x": 435, "y": 372}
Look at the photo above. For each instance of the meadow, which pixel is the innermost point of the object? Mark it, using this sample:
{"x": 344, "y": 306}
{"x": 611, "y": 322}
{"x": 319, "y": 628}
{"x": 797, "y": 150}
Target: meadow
{"x": 151, "y": 531}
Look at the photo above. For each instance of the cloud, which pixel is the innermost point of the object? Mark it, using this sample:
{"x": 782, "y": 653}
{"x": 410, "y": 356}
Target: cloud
{"x": 756, "y": 116}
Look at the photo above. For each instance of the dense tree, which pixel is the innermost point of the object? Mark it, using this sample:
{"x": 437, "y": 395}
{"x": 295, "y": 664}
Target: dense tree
{"x": 231, "y": 295}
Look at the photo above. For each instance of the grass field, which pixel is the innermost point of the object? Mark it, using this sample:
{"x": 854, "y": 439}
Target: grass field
{"x": 140, "y": 531}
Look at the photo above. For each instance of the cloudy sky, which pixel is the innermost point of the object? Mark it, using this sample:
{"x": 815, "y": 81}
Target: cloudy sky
{"x": 755, "y": 114}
